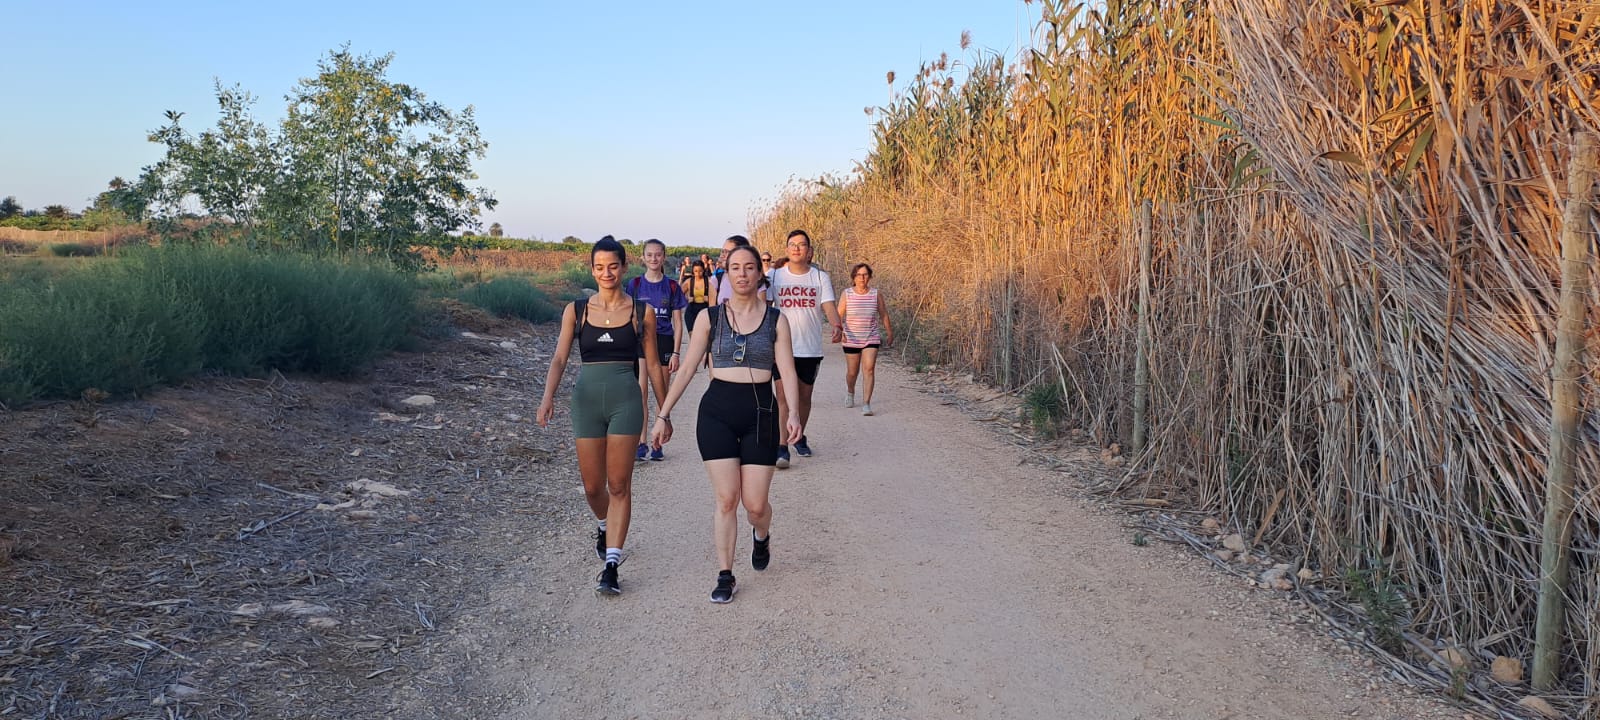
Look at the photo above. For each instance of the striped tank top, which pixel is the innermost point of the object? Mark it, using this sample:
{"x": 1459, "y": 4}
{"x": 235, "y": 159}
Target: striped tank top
{"x": 861, "y": 327}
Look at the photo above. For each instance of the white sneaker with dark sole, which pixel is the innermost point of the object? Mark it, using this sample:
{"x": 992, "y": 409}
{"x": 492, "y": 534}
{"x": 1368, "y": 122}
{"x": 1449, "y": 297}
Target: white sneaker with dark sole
{"x": 866, "y": 409}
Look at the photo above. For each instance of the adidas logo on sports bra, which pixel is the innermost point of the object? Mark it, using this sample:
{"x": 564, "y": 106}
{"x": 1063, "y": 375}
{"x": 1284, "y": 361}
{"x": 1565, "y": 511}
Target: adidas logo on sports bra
{"x": 604, "y": 338}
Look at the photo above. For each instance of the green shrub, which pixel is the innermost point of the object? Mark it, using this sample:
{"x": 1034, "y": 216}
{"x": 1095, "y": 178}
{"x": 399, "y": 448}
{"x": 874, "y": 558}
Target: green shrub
{"x": 1383, "y": 598}
{"x": 1046, "y": 407}
{"x": 75, "y": 249}
{"x": 95, "y": 329}
{"x": 155, "y": 315}
{"x": 576, "y": 273}
{"x": 16, "y": 247}
{"x": 512, "y": 297}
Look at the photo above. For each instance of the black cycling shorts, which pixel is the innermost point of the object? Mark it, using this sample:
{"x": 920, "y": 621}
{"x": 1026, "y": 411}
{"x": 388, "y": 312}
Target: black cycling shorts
{"x": 738, "y": 420}
{"x": 805, "y": 370}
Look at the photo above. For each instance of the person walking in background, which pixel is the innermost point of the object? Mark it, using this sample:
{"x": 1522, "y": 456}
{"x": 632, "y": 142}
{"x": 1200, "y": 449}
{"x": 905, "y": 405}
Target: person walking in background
{"x": 804, "y": 294}
{"x": 766, "y": 262}
{"x": 737, "y": 429}
{"x": 666, "y": 298}
{"x": 865, "y": 320}
{"x": 699, "y": 290}
{"x": 684, "y": 268}
{"x": 607, "y": 417}
{"x": 725, "y": 290}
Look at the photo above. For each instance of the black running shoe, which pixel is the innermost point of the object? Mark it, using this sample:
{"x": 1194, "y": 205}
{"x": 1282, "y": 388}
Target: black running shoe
{"x": 606, "y": 583}
{"x": 802, "y": 448}
{"x": 760, "y": 555}
{"x": 600, "y": 543}
{"x": 726, "y": 587}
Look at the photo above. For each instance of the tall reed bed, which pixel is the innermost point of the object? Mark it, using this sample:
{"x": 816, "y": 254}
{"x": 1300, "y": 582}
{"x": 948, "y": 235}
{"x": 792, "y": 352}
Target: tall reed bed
{"x": 1358, "y": 208}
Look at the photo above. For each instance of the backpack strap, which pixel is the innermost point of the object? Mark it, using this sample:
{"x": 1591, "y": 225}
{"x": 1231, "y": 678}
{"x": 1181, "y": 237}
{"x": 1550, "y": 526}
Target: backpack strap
{"x": 674, "y": 293}
{"x": 713, "y": 316}
{"x": 639, "y": 309}
{"x": 580, "y": 313}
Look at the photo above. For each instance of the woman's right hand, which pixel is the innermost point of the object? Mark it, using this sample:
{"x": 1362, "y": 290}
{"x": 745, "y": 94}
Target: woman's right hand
{"x": 546, "y": 409}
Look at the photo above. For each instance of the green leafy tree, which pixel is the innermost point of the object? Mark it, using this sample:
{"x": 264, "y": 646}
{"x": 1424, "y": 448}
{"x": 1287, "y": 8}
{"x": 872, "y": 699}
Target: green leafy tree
{"x": 496, "y": 231}
{"x": 57, "y": 212}
{"x": 229, "y": 170}
{"x": 121, "y": 202}
{"x": 9, "y": 207}
{"x": 360, "y": 164}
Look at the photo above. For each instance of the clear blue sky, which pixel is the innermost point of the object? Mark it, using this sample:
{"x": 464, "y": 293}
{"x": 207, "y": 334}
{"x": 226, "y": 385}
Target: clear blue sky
{"x": 671, "y": 120}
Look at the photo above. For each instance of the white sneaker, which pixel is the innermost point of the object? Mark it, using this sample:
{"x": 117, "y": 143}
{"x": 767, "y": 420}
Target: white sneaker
{"x": 866, "y": 409}
{"x": 849, "y": 399}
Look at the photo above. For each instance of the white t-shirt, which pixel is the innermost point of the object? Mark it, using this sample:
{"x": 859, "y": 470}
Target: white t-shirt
{"x": 800, "y": 299}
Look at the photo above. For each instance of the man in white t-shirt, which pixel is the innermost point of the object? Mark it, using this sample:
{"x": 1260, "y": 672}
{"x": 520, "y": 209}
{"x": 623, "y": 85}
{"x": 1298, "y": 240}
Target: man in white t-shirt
{"x": 804, "y": 294}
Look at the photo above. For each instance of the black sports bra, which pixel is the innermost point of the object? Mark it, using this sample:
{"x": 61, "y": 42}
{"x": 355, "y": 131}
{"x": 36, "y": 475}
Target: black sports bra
{"x": 607, "y": 344}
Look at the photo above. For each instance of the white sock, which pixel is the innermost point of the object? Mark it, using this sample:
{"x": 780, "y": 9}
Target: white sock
{"x": 614, "y": 555}
{"x": 758, "y": 538}
{"x": 602, "y": 523}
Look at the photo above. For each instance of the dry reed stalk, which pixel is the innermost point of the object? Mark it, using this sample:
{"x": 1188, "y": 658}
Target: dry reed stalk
{"x": 1359, "y": 207}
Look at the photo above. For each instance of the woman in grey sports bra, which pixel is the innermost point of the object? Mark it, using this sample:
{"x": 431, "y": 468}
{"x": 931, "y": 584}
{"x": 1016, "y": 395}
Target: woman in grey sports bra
{"x": 737, "y": 423}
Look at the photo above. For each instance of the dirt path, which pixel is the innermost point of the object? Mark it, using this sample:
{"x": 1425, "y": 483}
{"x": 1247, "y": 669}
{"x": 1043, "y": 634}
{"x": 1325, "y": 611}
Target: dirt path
{"x": 216, "y": 550}
{"x": 919, "y": 572}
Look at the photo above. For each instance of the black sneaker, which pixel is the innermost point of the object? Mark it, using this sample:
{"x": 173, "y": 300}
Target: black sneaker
{"x": 600, "y": 543}
{"x": 606, "y": 583}
{"x": 760, "y": 555}
{"x": 783, "y": 457}
{"x": 801, "y": 448}
{"x": 726, "y": 587}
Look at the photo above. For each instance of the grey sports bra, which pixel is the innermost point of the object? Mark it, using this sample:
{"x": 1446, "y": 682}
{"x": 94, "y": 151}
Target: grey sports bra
{"x": 755, "y": 350}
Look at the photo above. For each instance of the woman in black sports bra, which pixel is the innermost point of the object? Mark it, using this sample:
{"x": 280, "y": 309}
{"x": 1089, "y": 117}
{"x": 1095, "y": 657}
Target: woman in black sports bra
{"x": 737, "y": 426}
{"x": 607, "y": 412}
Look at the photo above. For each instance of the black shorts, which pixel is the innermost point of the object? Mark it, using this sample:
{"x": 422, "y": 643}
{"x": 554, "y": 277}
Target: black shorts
{"x": 857, "y": 351}
{"x": 805, "y": 370}
{"x": 738, "y": 420}
{"x": 691, "y": 313}
{"x": 663, "y": 348}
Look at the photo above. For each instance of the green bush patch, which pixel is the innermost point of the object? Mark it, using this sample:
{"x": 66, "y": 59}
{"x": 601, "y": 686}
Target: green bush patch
{"x": 156, "y": 315}
{"x": 512, "y": 297}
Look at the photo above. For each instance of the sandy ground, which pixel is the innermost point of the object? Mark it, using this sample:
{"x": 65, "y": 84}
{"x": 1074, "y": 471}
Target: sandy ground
{"x": 919, "y": 571}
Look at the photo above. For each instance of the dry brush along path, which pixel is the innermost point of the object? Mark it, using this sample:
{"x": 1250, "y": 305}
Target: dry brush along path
{"x": 294, "y": 548}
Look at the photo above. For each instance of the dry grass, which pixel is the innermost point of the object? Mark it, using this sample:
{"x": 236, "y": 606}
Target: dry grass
{"x": 16, "y": 238}
{"x": 1355, "y": 273}
{"x": 531, "y": 261}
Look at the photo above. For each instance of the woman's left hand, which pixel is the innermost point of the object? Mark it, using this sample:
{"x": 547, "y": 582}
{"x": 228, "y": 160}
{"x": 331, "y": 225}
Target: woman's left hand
{"x": 796, "y": 430}
{"x": 661, "y": 433}
{"x": 672, "y": 364}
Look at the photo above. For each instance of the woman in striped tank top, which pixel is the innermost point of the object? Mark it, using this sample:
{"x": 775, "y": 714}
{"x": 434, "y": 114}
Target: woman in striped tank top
{"x": 866, "y": 328}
